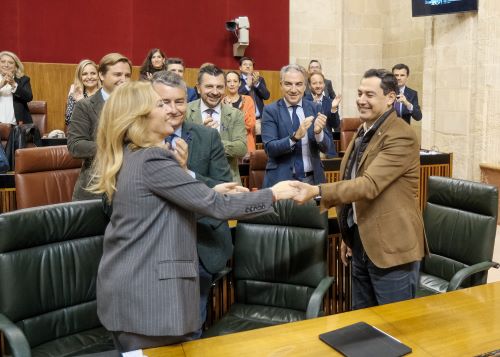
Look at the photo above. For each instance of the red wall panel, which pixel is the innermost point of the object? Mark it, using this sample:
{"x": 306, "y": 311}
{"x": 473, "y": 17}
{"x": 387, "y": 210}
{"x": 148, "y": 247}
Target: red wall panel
{"x": 64, "y": 31}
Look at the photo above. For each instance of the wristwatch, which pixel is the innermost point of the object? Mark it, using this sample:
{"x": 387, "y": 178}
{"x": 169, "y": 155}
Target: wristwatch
{"x": 293, "y": 138}
{"x": 318, "y": 197}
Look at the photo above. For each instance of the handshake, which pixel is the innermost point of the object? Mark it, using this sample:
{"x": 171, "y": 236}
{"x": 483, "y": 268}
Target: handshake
{"x": 298, "y": 191}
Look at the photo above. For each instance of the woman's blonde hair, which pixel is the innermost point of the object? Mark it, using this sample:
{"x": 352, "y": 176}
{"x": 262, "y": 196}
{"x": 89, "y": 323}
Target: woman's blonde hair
{"x": 77, "y": 82}
{"x": 19, "y": 65}
{"x": 123, "y": 121}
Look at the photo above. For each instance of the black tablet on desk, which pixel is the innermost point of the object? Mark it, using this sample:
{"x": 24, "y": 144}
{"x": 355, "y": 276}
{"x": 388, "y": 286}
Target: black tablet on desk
{"x": 361, "y": 340}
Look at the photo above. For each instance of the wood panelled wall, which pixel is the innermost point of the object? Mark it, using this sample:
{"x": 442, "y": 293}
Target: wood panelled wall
{"x": 51, "y": 82}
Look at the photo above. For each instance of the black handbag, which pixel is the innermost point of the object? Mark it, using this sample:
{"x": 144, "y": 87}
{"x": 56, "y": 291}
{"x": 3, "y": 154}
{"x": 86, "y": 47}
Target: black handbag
{"x": 19, "y": 137}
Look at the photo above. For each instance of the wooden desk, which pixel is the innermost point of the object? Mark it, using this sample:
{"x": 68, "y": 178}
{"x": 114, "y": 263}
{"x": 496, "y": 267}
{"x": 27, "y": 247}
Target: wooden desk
{"x": 461, "y": 323}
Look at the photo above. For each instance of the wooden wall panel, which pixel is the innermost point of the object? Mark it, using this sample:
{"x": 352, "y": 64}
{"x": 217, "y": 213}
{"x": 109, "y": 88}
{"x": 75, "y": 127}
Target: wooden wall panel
{"x": 51, "y": 82}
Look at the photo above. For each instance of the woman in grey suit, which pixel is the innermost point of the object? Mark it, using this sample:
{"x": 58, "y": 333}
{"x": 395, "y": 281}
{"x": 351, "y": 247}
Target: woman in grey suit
{"x": 147, "y": 284}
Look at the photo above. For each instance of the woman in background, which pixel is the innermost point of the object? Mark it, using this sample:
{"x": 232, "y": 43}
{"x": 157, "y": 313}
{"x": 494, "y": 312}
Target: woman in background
{"x": 15, "y": 91}
{"x": 154, "y": 62}
{"x": 85, "y": 84}
{"x": 148, "y": 282}
{"x": 242, "y": 102}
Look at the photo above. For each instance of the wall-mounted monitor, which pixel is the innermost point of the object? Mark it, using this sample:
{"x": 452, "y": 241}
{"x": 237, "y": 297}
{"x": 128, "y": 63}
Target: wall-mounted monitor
{"x": 439, "y": 7}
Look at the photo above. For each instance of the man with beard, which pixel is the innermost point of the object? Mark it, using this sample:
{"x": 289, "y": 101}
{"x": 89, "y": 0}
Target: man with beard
{"x": 315, "y": 67}
{"x": 377, "y": 199}
{"x": 210, "y": 111}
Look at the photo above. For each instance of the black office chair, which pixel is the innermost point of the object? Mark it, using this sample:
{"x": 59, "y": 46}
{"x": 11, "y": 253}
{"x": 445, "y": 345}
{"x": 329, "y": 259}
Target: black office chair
{"x": 48, "y": 268}
{"x": 280, "y": 269}
{"x": 460, "y": 221}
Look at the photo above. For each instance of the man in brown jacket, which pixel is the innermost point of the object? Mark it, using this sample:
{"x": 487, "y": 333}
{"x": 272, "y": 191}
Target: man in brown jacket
{"x": 376, "y": 202}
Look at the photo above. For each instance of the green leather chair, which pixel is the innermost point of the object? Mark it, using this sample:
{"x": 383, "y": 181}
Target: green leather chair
{"x": 48, "y": 268}
{"x": 280, "y": 269}
{"x": 460, "y": 221}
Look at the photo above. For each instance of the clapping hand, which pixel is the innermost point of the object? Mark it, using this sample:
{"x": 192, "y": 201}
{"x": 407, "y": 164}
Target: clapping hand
{"x": 335, "y": 103}
{"x": 256, "y": 78}
{"x": 78, "y": 94}
{"x": 7, "y": 79}
{"x": 305, "y": 192}
{"x": 401, "y": 98}
{"x": 230, "y": 188}
{"x": 319, "y": 123}
{"x": 302, "y": 130}
{"x": 210, "y": 122}
{"x": 3, "y": 81}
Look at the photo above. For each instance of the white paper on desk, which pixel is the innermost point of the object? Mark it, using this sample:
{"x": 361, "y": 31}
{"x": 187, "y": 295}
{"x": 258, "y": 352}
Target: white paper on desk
{"x": 136, "y": 353}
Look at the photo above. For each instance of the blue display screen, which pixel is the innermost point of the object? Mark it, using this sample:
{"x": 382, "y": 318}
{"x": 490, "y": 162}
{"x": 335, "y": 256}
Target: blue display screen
{"x": 439, "y": 7}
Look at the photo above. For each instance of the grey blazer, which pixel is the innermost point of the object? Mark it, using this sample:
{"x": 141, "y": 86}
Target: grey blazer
{"x": 148, "y": 281}
{"x": 81, "y": 140}
{"x": 232, "y": 132}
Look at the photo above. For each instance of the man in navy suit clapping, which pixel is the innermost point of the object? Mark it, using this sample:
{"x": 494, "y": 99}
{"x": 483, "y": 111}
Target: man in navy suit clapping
{"x": 406, "y": 105}
{"x": 294, "y": 132}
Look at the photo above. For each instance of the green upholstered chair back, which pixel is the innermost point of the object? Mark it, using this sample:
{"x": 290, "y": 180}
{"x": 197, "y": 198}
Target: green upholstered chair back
{"x": 280, "y": 259}
{"x": 460, "y": 223}
{"x": 48, "y": 267}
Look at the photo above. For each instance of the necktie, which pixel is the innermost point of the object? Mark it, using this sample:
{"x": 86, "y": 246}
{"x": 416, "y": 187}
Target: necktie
{"x": 397, "y": 107}
{"x": 298, "y": 163}
{"x": 210, "y": 112}
{"x": 171, "y": 141}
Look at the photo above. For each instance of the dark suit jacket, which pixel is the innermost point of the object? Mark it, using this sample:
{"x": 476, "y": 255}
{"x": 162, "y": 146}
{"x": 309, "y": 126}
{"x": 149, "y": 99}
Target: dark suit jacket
{"x": 333, "y": 119}
{"x": 329, "y": 89}
{"x": 81, "y": 140}
{"x": 412, "y": 96}
{"x": 208, "y": 161}
{"x": 191, "y": 94}
{"x": 258, "y": 94}
{"x": 276, "y": 132}
{"x": 21, "y": 97}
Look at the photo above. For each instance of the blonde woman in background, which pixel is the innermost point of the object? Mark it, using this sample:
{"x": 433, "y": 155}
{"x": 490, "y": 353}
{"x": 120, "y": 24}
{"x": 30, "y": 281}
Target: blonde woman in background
{"x": 15, "y": 90}
{"x": 85, "y": 84}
